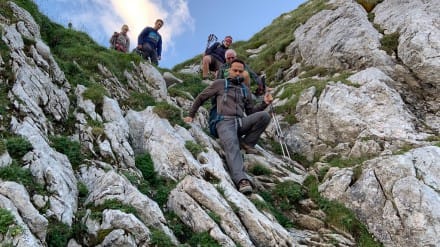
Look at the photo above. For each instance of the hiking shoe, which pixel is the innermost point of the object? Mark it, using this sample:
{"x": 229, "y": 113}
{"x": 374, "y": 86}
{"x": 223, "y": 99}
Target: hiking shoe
{"x": 248, "y": 149}
{"x": 245, "y": 187}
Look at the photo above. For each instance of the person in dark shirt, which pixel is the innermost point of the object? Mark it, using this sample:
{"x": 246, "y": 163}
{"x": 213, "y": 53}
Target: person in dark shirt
{"x": 150, "y": 42}
{"x": 215, "y": 56}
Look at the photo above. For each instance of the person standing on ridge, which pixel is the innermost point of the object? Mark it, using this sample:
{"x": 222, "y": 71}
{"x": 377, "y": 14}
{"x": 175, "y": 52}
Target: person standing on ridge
{"x": 242, "y": 123}
{"x": 150, "y": 42}
{"x": 121, "y": 41}
{"x": 214, "y": 57}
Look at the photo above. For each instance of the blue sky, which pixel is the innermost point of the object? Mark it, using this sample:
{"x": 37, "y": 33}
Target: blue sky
{"x": 187, "y": 22}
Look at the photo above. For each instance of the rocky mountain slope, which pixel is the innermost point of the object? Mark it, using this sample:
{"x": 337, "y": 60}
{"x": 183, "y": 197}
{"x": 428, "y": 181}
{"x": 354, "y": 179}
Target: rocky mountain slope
{"x": 81, "y": 164}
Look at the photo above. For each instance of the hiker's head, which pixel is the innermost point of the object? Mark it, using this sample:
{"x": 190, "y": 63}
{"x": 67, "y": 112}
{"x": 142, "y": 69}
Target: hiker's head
{"x": 227, "y": 41}
{"x": 230, "y": 55}
{"x": 158, "y": 24}
{"x": 124, "y": 28}
{"x": 237, "y": 68}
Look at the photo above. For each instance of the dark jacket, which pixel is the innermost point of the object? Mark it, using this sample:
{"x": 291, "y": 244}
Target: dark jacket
{"x": 235, "y": 105}
{"x": 151, "y": 36}
{"x": 217, "y": 50}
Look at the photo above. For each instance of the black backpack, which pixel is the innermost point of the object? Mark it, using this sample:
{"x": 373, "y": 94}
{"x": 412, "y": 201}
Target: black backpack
{"x": 214, "y": 116}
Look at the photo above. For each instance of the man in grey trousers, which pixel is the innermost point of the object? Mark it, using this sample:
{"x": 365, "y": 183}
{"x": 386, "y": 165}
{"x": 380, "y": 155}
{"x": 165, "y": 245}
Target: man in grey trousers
{"x": 243, "y": 123}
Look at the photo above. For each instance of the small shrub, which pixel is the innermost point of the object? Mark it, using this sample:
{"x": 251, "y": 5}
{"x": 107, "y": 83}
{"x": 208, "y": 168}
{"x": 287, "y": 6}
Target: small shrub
{"x": 288, "y": 194}
{"x": 22, "y": 176}
{"x": 180, "y": 230}
{"x": 194, "y": 148}
{"x": 139, "y": 101}
{"x": 343, "y": 162}
{"x": 111, "y": 204}
{"x": 191, "y": 84}
{"x": 259, "y": 170}
{"x": 159, "y": 238}
{"x": 58, "y": 233}
{"x": 339, "y": 216}
{"x": 145, "y": 164}
{"x": 2, "y": 147}
{"x": 172, "y": 113}
{"x": 95, "y": 93}
{"x": 203, "y": 239}
{"x": 6, "y": 220}
{"x": 18, "y": 147}
{"x": 390, "y": 42}
{"x": 71, "y": 148}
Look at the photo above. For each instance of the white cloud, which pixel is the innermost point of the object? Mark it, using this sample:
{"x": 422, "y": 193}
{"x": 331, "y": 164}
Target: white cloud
{"x": 100, "y": 18}
{"x": 138, "y": 14}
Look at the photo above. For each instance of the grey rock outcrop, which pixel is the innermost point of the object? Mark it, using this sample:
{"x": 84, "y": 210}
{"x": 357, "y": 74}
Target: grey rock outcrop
{"x": 387, "y": 104}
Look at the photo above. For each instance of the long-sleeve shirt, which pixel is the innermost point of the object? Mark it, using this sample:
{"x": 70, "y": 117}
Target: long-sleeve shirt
{"x": 233, "y": 104}
{"x": 151, "y": 36}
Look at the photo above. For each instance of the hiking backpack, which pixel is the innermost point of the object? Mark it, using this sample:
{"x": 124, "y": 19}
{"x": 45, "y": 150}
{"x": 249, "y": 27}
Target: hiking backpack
{"x": 214, "y": 116}
{"x": 113, "y": 40}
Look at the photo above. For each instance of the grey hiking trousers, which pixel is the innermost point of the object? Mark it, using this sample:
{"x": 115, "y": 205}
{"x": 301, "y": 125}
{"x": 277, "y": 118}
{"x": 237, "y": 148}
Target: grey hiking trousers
{"x": 231, "y": 132}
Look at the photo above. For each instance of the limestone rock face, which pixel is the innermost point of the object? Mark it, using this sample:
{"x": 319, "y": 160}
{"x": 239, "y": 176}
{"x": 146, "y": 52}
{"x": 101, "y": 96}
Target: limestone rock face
{"x": 378, "y": 112}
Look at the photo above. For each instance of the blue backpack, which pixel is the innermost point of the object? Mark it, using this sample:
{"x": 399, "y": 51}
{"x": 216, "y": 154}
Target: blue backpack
{"x": 214, "y": 117}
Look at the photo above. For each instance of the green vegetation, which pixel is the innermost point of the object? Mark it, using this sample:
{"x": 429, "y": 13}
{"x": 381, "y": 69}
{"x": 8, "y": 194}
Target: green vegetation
{"x": 71, "y": 148}
{"x": 292, "y": 93}
{"x": 95, "y": 93}
{"x": 6, "y": 220}
{"x": 170, "y": 112}
{"x": 259, "y": 170}
{"x": 22, "y": 176}
{"x": 159, "y": 238}
{"x": 153, "y": 185}
{"x": 282, "y": 198}
{"x": 111, "y": 204}
{"x": 277, "y": 39}
{"x": 138, "y": 101}
{"x": 58, "y": 233}
{"x": 194, "y": 148}
{"x": 2, "y": 147}
{"x": 186, "y": 236}
{"x": 341, "y": 217}
{"x": 18, "y": 146}
{"x": 344, "y": 162}
{"x": 390, "y": 42}
{"x": 192, "y": 84}
{"x": 6, "y": 76}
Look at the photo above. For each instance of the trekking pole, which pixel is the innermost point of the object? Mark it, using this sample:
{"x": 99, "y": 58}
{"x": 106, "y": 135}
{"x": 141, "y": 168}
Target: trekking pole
{"x": 211, "y": 38}
{"x": 280, "y": 134}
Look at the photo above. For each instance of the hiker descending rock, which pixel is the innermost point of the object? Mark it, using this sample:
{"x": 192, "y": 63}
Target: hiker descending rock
{"x": 240, "y": 123}
{"x": 150, "y": 42}
{"x": 120, "y": 41}
{"x": 248, "y": 73}
{"x": 214, "y": 57}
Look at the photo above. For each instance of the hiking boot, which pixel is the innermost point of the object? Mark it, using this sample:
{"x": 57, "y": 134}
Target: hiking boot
{"x": 245, "y": 187}
{"x": 248, "y": 149}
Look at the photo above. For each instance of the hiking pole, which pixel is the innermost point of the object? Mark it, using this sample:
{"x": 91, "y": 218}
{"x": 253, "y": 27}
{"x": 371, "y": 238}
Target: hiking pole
{"x": 280, "y": 134}
{"x": 211, "y": 38}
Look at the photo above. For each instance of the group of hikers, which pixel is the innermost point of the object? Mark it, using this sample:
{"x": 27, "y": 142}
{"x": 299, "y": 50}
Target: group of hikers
{"x": 149, "y": 43}
{"x": 239, "y": 121}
